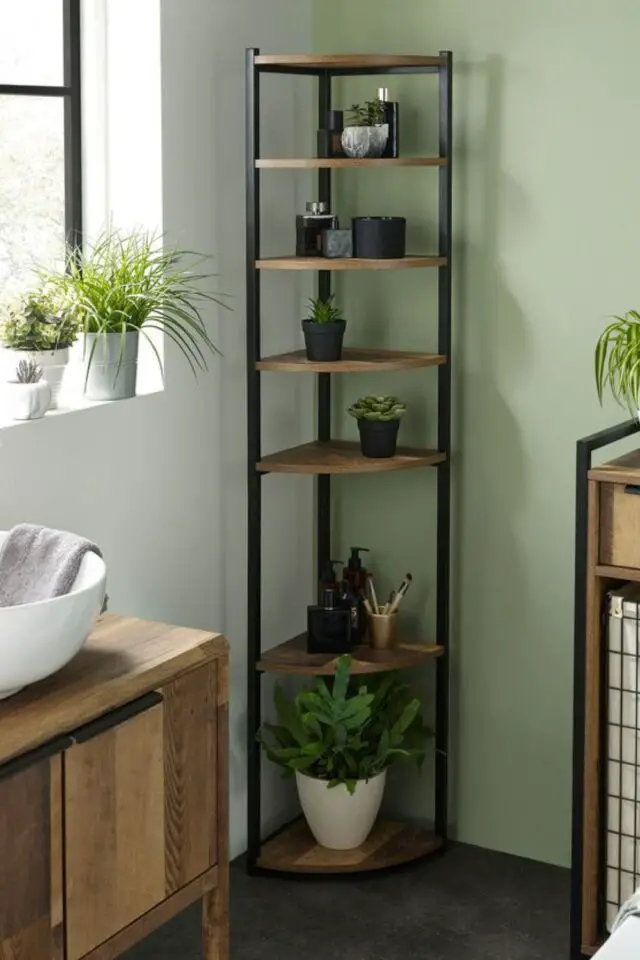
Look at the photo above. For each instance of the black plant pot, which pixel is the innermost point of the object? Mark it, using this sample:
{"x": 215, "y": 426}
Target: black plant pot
{"x": 379, "y": 238}
{"x": 378, "y": 438}
{"x": 323, "y": 340}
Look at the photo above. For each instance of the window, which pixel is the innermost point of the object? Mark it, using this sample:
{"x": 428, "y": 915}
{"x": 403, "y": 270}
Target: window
{"x": 40, "y": 144}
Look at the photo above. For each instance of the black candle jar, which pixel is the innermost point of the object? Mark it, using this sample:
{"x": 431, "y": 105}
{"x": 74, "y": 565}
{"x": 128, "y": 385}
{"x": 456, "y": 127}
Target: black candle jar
{"x": 379, "y": 238}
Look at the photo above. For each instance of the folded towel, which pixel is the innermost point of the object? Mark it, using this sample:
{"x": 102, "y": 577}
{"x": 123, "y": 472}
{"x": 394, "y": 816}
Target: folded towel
{"x": 38, "y": 564}
{"x": 629, "y": 909}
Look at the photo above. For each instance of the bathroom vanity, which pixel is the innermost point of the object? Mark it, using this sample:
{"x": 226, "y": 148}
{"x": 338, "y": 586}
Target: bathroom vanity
{"x": 114, "y": 795}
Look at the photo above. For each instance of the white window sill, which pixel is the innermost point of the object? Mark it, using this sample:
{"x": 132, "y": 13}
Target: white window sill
{"x": 71, "y": 406}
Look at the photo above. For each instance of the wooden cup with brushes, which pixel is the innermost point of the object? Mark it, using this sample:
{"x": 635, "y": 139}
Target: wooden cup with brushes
{"x": 382, "y": 619}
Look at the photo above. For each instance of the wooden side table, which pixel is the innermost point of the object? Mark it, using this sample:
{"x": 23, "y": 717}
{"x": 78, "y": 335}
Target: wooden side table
{"x": 114, "y": 795}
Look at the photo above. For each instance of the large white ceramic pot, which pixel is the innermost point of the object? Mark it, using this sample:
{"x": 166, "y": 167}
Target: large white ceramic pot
{"x": 110, "y": 365}
{"x": 27, "y": 401}
{"x": 53, "y": 363}
{"x": 362, "y": 142}
{"x": 338, "y": 819}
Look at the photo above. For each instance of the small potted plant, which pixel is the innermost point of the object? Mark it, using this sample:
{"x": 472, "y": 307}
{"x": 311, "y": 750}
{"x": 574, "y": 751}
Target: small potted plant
{"x": 366, "y": 133}
{"x": 339, "y": 739}
{"x": 378, "y": 422}
{"x": 126, "y": 286}
{"x": 617, "y": 361}
{"x": 28, "y": 394}
{"x": 324, "y": 330}
{"x": 36, "y": 328}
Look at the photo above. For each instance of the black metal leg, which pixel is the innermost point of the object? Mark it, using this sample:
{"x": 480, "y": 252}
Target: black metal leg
{"x": 323, "y": 487}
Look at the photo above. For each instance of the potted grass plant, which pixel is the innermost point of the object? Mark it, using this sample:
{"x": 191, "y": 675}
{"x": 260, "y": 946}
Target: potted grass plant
{"x": 366, "y": 133}
{"x": 324, "y": 330}
{"x": 125, "y": 287}
{"x": 34, "y": 327}
{"x": 617, "y": 361}
{"x": 378, "y": 423}
{"x": 339, "y": 738}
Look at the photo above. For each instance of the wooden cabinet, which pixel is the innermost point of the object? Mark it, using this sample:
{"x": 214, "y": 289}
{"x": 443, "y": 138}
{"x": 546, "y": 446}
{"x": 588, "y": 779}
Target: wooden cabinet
{"x": 620, "y": 524}
{"x": 138, "y": 790}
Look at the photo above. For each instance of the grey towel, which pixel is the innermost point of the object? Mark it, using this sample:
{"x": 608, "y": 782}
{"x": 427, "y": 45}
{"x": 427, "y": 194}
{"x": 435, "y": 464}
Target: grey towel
{"x": 629, "y": 909}
{"x": 38, "y": 564}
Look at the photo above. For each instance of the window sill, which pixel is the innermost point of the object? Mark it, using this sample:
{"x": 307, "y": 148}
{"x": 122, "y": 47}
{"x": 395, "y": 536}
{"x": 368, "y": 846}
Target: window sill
{"x": 71, "y": 406}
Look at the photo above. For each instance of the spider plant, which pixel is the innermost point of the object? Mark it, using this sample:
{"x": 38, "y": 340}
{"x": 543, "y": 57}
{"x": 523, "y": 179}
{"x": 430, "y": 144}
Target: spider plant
{"x": 131, "y": 283}
{"x": 617, "y": 361}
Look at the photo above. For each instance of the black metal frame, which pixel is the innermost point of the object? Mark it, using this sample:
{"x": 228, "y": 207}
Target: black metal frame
{"x": 71, "y": 93}
{"x": 323, "y": 489}
{"x": 584, "y": 451}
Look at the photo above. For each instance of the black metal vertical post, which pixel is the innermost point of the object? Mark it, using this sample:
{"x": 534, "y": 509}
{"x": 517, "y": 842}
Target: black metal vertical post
{"x": 72, "y": 123}
{"x": 254, "y": 489}
{"x": 444, "y": 444}
{"x": 323, "y": 489}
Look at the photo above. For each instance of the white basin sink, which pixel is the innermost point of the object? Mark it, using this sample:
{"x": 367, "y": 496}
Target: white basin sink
{"x": 36, "y": 639}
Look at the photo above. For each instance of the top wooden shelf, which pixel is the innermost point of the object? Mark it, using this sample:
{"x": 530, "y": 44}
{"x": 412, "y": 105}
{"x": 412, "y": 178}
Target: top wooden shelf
{"x": 625, "y": 469}
{"x": 333, "y": 163}
{"x": 350, "y": 62}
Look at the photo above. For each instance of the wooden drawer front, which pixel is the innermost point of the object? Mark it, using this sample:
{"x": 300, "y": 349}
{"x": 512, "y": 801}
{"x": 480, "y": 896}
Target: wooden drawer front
{"x": 619, "y": 525}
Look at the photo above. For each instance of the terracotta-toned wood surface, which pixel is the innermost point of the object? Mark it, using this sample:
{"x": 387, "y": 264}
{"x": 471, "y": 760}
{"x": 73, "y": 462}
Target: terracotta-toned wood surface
{"x": 348, "y": 263}
{"x": 114, "y": 816}
{"x": 190, "y": 758}
{"x": 122, "y": 659}
{"x": 390, "y": 843}
{"x": 322, "y": 163}
{"x": 619, "y": 526}
{"x": 124, "y": 939}
{"x": 617, "y": 573}
{"x": 344, "y": 456}
{"x": 625, "y": 469}
{"x": 354, "y": 60}
{"x": 215, "y": 904}
{"x": 354, "y": 360}
{"x": 56, "y": 847}
{"x": 27, "y": 866}
{"x": 291, "y": 657}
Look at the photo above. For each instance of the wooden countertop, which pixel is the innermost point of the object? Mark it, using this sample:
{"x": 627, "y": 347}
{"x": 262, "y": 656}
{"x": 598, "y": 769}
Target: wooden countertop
{"x": 625, "y": 469}
{"x": 123, "y": 659}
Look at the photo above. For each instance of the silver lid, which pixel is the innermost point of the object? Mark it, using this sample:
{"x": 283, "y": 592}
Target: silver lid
{"x": 317, "y": 206}
{"x": 383, "y": 93}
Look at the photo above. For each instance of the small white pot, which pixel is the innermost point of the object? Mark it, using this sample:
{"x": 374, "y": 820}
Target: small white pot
{"x": 338, "y": 819}
{"x": 361, "y": 142}
{"x": 28, "y": 401}
{"x": 53, "y": 363}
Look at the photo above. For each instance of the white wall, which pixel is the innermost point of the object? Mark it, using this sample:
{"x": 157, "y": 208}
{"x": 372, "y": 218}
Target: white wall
{"x": 159, "y": 482}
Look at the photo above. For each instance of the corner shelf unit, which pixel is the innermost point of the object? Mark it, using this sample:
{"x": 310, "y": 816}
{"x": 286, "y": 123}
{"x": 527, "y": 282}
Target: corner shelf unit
{"x": 292, "y": 850}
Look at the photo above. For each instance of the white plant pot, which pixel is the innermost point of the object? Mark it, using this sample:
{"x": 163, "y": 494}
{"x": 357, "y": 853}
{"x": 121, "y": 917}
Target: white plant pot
{"x": 338, "y": 819}
{"x": 53, "y": 363}
{"x": 110, "y": 362}
{"x": 28, "y": 401}
{"x": 361, "y": 142}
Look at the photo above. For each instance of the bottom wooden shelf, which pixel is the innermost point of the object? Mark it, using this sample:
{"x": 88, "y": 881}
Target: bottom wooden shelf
{"x": 389, "y": 844}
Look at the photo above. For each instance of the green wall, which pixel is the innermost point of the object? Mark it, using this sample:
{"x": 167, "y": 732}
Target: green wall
{"x": 546, "y": 202}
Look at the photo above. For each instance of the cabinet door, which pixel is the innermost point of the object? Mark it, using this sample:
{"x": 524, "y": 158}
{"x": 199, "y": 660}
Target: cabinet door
{"x": 31, "y": 874}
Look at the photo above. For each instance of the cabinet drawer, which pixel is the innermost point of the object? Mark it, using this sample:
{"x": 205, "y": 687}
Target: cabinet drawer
{"x": 620, "y": 525}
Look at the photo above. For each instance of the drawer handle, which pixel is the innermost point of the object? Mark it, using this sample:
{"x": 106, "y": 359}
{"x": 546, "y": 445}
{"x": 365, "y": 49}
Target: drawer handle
{"x": 632, "y": 488}
{"x": 32, "y": 757}
{"x": 115, "y": 717}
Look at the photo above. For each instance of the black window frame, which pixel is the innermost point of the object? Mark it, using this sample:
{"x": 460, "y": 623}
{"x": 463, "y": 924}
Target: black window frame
{"x": 70, "y": 92}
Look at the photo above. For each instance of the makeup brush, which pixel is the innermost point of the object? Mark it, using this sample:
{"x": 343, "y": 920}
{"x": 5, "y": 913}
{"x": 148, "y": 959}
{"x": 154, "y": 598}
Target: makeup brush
{"x": 406, "y": 583}
{"x": 372, "y": 590}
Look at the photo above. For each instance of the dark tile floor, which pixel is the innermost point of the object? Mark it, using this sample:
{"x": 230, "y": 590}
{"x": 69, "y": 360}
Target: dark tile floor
{"x": 471, "y": 904}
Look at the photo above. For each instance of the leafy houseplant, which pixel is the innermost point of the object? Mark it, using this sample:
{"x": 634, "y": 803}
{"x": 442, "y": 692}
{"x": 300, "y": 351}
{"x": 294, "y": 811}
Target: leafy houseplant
{"x": 323, "y": 330}
{"x": 127, "y": 285}
{"x": 29, "y": 395}
{"x": 366, "y": 133}
{"x": 339, "y": 737}
{"x": 378, "y": 422}
{"x": 617, "y": 361}
{"x": 34, "y": 326}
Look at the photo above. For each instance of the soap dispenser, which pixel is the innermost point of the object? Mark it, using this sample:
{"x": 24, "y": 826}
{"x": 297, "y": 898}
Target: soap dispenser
{"x": 354, "y": 573}
{"x": 391, "y": 115}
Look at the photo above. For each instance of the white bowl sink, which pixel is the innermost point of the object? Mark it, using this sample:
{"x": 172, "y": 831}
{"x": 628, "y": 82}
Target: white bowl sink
{"x": 36, "y": 639}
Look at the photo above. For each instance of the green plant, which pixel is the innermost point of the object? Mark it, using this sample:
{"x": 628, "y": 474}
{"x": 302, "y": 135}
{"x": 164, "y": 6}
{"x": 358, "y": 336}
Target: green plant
{"x": 131, "y": 283}
{"x": 35, "y": 322}
{"x": 369, "y": 114}
{"x": 377, "y": 408}
{"x": 324, "y": 311}
{"x": 617, "y": 360}
{"x": 28, "y": 371}
{"x": 343, "y": 731}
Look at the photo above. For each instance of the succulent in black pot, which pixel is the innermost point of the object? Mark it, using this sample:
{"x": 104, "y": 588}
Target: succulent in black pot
{"x": 378, "y": 422}
{"x": 324, "y": 330}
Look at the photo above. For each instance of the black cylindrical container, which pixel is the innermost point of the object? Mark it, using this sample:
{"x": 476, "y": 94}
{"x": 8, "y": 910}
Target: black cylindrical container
{"x": 379, "y": 238}
{"x": 378, "y": 438}
{"x": 323, "y": 341}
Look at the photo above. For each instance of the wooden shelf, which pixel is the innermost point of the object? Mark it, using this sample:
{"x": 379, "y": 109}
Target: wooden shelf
{"x": 617, "y": 573}
{"x": 355, "y": 61}
{"x": 348, "y": 263}
{"x": 389, "y": 844}
{"x": 624, "y": 469}
{"x": 291, "y": 657}
{"x": 354, "y": 360}
{"x": 343, "y": 163}
{"x": 344, "y": 456}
